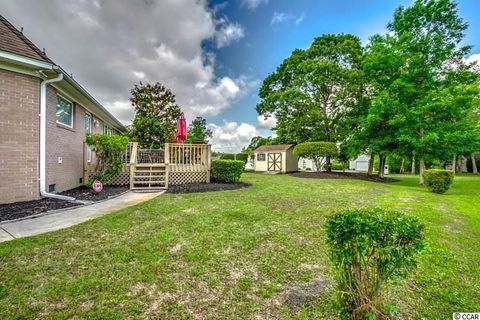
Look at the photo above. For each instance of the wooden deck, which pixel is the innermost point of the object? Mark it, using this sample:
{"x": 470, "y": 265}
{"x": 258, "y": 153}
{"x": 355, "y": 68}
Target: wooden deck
{"x": 152, "y": 169}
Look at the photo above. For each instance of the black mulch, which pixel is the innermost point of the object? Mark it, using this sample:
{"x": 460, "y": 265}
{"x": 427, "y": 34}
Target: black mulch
{"x": 206, "y": 187}
{"x": 22, "y": 209}
{"x": 342, "y": 175}
{"x": 83, "y": 193}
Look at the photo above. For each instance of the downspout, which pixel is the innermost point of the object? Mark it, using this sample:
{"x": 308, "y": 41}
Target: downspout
{"x": 43, "y": 139}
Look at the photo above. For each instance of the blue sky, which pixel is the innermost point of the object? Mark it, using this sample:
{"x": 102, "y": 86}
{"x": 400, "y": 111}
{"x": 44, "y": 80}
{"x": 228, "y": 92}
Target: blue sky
{"x": 212, "y": 54}
{"x": 266, "y": 44}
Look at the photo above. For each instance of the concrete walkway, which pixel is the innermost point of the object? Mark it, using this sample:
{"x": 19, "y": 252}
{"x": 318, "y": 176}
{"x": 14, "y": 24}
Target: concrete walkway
{"x": 70, "y": 216}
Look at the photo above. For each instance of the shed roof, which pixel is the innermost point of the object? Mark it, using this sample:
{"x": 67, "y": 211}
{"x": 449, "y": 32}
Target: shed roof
{"x": 275, "y": 147}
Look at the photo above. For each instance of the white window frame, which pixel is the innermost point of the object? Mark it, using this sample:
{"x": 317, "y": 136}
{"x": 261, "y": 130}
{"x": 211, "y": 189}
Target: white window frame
{"x": 264, "y": 157}
{"x": 107, "y": 130}
{"x": 89, "y": 148}
{"x": 71, "y": 114}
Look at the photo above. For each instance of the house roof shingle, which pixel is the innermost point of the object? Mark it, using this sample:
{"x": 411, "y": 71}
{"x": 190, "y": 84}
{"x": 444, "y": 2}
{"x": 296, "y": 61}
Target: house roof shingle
{"x": 275, "y": 147}
{"x": 14, "y": 41}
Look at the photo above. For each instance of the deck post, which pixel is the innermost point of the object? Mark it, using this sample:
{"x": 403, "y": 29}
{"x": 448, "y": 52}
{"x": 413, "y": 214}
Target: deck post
{"x": 209, "y": 161}
{"x": 133, "y": 160}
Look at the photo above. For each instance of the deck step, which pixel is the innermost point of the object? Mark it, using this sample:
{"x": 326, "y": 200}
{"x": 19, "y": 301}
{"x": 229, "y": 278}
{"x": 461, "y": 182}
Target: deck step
{"x": 149, "y": 182}
{"x": 149, "y": 176}
{"x": 148, "y": 188}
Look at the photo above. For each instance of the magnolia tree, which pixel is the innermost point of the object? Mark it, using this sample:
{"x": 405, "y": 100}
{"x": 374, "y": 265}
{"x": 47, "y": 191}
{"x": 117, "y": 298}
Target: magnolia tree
{"x": 318, "y": 152}
{"x": 156, "y": 114}
{"x": 198, "y": 131}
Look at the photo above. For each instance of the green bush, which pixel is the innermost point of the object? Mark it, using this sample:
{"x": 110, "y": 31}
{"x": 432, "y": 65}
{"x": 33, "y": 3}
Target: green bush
{"x": 230, "y": 156}
{"x": 109, "y": 151}
{"x": 336, "y": 165}
{"x": 369, "y": 247}
{"x": 227, "y": 156}
{"x": 227, "y": 171}
{"x": 437, "y": 180}
{"x": 242, "y": 157}
{"x": 316, "y": 151}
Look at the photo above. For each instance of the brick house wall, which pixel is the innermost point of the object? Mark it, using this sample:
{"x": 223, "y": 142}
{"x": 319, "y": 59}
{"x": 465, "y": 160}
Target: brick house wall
{"x": 19, "y": 136}
{"x": 19, "y": 140}
{"x": 65, "y": 143}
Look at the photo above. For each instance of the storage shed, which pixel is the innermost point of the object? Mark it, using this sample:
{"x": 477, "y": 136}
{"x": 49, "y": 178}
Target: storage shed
{"x": 275, "y": 158}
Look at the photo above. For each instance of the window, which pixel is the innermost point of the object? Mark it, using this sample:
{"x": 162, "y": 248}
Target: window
{"x": 107, "y": 130}
{"x": 88, "y": 123}
{"x": 260, "y": 156}
{"x": 88, "y": 130}
{"x": 64, "y": 112}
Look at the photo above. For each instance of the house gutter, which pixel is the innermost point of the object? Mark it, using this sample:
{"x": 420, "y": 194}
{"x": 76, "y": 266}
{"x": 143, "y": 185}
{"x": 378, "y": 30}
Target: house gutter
{"x": 43, "y": 137}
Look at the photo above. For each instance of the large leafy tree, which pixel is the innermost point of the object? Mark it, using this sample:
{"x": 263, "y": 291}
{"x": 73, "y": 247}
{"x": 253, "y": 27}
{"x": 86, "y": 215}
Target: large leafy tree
{"x": 156, "y": 114}
{"x": 198, "y": 131}
{"x": 257, "y": 142}
{"x": 436, "y": 85}
{"x": 422, "y": 91}
{"x": 313, "y": 90}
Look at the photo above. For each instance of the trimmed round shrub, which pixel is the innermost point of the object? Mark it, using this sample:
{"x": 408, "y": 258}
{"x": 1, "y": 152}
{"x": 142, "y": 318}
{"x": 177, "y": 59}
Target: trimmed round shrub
{"x": 316, "y": 151}
{"x": 369, "y": 247}
{"x": 438, "y": 180}
{"x": 227, "y": 171}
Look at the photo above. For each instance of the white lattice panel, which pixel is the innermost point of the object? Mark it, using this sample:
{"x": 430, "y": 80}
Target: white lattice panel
{"x": 120, "y": 179}
{"x": 186, "y": 177}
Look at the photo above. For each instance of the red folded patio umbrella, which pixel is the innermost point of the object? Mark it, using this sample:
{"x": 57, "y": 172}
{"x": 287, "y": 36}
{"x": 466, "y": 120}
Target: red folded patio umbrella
{"x": 181, "y": 133}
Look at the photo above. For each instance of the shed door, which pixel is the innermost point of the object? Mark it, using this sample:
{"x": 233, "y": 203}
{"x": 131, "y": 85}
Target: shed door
{"x": 274, "y": 162}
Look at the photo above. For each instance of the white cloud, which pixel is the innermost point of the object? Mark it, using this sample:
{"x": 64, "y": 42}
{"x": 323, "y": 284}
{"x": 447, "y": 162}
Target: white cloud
{"x": 110, "y": 45}
{"x": 252, "y": 4}
{"x": 139, "y": 74}
{"x": 475, "y": 57}
{"x": 300, "y": 19}
{"x": 267, "y": 123}
{"x": 281, "y": 17}
{"x": 227, "y": 33}
{"x": 231, "y": 136}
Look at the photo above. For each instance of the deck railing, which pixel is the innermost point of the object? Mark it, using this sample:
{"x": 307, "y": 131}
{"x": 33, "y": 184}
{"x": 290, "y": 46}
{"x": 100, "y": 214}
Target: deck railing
{"x": 150, "y": 156}
{"x": 177, "y": 159}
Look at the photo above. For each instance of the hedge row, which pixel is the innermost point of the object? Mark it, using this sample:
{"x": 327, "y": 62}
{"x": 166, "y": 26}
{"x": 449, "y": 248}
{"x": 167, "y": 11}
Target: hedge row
{"x": 227, "y": 171}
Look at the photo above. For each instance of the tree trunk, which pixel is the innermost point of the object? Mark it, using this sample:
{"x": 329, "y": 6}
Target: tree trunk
{"x": 317, "y": 164}
{"x": 381, "y": 168}
{"x": 474, "y": 164}
{"x": 328, "y": 165}
{"x": 370, "y": 164}
{"x": 454, "y": 164}
{"x": 413, "y": 165}
{"x": 401, "y": 166}
{"x": 422, "y": 169}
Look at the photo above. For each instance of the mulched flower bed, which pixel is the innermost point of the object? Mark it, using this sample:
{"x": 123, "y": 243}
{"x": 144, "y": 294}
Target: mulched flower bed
{"x": 206, "y": 187}
{"x": 342, "y": 175}
{"x": 11, "y": 211}
{"x": 85, "y": 194}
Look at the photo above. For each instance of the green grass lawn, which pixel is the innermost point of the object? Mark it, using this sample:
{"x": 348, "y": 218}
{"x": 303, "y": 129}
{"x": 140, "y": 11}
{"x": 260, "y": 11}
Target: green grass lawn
{"x": 234, "y": 254}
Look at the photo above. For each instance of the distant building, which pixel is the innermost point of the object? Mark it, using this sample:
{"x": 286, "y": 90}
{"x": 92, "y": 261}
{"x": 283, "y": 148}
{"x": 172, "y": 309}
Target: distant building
{"x": 360, "y": 163}
{"x": 275, "y": 158}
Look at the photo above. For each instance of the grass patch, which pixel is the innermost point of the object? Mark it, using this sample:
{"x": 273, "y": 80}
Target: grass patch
{"x": 235, "y": 254}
